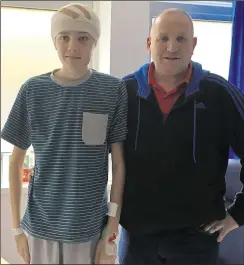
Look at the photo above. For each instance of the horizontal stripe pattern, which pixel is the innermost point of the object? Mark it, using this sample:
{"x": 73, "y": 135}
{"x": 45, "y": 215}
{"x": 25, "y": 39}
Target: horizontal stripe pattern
{"x": 235, "y": 93}
{"x": 68, "y": 192}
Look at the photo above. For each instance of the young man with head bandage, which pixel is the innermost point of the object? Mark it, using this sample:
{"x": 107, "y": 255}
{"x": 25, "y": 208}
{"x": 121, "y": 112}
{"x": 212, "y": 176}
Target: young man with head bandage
{"x": 72, "y": 117}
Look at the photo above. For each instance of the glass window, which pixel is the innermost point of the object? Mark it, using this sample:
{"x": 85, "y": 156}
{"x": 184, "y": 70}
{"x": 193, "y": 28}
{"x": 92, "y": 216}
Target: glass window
{"x": 214, "y": 46}
{"x": 198, "y": 10}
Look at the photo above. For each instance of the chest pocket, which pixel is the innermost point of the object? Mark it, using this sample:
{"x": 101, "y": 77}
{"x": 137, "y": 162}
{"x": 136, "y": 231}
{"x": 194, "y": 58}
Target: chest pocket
{"x": 94, "y": 128}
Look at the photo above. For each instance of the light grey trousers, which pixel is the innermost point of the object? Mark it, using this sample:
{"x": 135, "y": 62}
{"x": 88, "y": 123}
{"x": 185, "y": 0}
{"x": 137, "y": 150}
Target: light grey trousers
{"x": 51, "y": 252}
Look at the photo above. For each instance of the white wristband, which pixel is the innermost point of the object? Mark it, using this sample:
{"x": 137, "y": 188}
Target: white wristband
{"x": 17, "y": 231}
{"x": 112, "y": 209}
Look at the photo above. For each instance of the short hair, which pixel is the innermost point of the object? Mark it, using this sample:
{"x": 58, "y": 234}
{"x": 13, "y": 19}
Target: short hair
{"x": 174, "y": 10}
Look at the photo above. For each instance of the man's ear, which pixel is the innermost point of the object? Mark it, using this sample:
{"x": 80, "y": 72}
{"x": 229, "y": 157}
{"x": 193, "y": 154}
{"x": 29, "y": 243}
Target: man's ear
{"x": 149, "y": 45}
{"x": 55, "y": 43}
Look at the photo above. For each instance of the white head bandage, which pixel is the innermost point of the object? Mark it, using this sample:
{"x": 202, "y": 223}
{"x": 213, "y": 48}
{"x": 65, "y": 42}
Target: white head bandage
{"x": 75, "y": 17}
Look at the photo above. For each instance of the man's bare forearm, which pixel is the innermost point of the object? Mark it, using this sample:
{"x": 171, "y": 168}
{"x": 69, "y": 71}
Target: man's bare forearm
{"x": 116, "y": 195}
{"x": 118, "y": 179}
{"x": 15, "y": 184}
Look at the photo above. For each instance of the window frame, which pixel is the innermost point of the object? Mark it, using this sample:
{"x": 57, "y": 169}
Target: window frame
{"x": 199, "y": 10}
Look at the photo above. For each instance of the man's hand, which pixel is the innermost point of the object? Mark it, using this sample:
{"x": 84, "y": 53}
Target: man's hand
{"x": 101, "y": 256}
{"x": 23, "y": 247}
{"x": 223, "y": 226}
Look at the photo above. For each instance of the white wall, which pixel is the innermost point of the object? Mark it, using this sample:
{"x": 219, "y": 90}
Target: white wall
{"x": 125, "y": 27}
{"x": 101, "y": 58}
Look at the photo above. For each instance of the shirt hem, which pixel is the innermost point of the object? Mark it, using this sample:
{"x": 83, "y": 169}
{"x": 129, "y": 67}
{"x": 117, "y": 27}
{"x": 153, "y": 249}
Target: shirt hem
{"x": 68, "y": 241}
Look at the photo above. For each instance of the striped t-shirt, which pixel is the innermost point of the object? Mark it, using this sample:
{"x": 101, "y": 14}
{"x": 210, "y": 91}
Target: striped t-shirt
{"x": 71, "y": 129}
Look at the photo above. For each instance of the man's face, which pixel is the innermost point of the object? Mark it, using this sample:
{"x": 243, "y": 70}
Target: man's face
{"x": 74, "y": 49}
{"x": 171, "y": 44}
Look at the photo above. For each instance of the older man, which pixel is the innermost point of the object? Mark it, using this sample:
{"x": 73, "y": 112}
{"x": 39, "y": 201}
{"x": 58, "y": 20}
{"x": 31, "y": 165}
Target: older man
{"x": 181, "y": 122}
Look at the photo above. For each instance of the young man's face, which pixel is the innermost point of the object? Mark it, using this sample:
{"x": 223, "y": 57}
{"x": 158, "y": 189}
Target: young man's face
{"x": 74, "y": 49}
{"x": 171, "y": 43}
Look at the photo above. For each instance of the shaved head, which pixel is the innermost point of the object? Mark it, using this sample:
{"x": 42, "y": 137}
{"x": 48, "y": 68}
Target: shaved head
{"x": 175, "y": 12}
{"x": 171, "y": 42}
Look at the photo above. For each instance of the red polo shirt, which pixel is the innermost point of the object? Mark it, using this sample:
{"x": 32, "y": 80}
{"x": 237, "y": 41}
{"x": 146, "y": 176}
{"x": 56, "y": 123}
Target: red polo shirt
{"x": 166, "y": 100}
